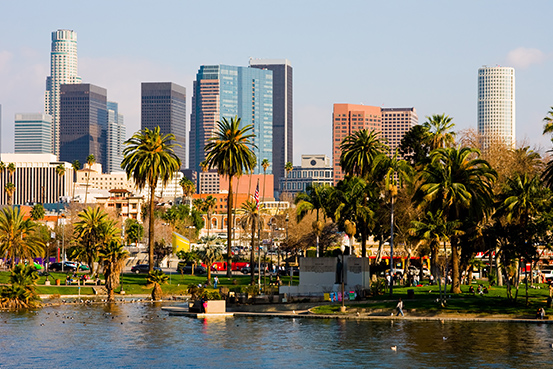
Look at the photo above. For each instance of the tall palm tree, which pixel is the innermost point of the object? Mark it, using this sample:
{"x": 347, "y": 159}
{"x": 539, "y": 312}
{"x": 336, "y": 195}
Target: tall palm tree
{"x": 10, "y": 190}
{"x": 60, "y": 171}
{"x": 17, "y": 236}
{"x": 459, "y": 183}
{"x": 11, "y": 169}
{"x": 90, "y": 160}
{"x": 76, "y": 165}
{"x": 251, "y": 217}
{"x": 313, "y": 200}
{"x": 230, "y": 151}
{"x": 265, "y": 164}
{"x": 112, "y": 256}
{"x": 439, "y": 130}
{"x": 188, "y": 187}
{"x": 361, "y": 153}
{"x": 548, "y": 127}
{"x": 2, "y": 167}
{"x": 288, "y": 167}
{"x": 209, "y": 254}
{"x": 149, "y": 158}
{"x": 208, "y": 206}
{"x": 204, "y": 167}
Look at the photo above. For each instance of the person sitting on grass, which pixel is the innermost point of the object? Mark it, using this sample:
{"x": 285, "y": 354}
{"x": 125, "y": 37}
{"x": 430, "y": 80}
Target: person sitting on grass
{"x": 471, "y": 289}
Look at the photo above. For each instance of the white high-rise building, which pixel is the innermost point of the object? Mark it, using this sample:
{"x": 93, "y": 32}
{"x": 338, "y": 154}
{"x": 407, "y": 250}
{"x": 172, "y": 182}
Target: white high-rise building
{"x": 63, "y": 70}
{"x": 115, "y": 138}
{"x": 496, "y": 105}
{"x": 33, "y": 133}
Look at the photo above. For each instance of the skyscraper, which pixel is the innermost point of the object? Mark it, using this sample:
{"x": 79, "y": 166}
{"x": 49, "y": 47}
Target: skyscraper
{"x": 283, "y": 113}
{"x": 63, "y": 70}
{"x": 33, "y": 133}
{"x": 496, "y": 105}
{"x": 164, "y": 105}
{"x": 223, "y": 91}
{"x": 395, "y": 122}
{"x": 83, "y": 123}
{"x": 115, "y": 138}
{"x": 346, "y": 120}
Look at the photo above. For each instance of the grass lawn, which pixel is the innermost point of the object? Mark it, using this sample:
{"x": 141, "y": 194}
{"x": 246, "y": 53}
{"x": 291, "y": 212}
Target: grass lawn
{"x": 495, "y": 302}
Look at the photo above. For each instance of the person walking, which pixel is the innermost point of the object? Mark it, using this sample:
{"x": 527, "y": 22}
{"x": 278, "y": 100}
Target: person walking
{"x": 399, "y": 307}
{"x": 215, "y": 281}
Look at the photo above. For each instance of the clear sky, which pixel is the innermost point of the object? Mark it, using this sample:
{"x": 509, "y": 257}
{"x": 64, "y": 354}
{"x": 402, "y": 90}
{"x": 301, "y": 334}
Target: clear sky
{"x": 424, "y": 54}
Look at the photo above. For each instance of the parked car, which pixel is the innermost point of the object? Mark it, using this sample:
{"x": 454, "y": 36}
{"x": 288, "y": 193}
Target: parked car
{"x": 143, "y": 268}
{"x": 185, "y": 267}
{"x": 69, "y": 266}
{"x": 247, "y": 270}
{"x": 547, "y": 274}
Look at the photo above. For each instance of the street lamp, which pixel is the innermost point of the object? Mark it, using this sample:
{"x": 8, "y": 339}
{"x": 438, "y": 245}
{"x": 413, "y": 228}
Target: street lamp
{"x": 343, "y": 308}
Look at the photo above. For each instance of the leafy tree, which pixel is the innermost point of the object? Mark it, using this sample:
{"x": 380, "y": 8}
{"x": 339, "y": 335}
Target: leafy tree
{"x": 155, "y": 279}
{"x": 149, "y": 158}
{"x": 18, "y": 239}
{"x": 112, "y": 256}
{"x": 313, "y": 200}
{"x": 37, "y": 212}
{"x": 230, "y": 151}
{"x": 415, "y": 146}
{"x": 134, "y": 231}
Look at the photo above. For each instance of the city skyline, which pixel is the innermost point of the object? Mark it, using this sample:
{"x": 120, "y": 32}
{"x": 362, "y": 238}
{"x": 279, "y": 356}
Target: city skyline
{"x": 413, "y": 65}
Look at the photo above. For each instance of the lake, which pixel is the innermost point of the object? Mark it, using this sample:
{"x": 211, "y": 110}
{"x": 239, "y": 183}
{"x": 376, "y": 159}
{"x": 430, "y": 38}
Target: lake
{"x": 141, "y": 335}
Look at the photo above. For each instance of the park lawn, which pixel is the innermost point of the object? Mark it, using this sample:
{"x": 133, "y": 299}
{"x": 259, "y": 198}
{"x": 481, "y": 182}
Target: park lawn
{"x": 495, "y": 302}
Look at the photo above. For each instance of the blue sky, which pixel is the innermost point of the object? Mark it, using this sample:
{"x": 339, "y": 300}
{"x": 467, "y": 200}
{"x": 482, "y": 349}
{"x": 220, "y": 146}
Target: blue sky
{"x": 424, "y": 54}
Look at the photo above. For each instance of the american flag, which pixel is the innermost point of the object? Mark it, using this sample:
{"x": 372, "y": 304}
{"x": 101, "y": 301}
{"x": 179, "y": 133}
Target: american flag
{"x": 256, "y": 196}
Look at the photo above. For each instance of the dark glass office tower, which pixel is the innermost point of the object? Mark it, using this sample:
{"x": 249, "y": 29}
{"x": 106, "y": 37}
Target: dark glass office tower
{"x": 283, "y": 147}
{"x": 83, "y": 123}
{"x": 164, "y": 105}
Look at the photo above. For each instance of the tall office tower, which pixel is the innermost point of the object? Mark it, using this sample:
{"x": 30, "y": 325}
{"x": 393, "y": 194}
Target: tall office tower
{"x": 283, "y": 113}
{"x": 395, "y": 122}
{"x": 496, "y": 105}
{"x": 115, "y": 138}
{"x": 33, "y": 134}
{"x": 164, "y": 105}
{"x": 63, "y": 70}
{"x": 223, "y": 91}
{"x": 346, "y": 120}
{"x": 83, "y": 123}
{"x": 0, "y": 128}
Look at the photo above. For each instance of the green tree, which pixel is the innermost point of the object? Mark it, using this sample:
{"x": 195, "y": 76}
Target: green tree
{"x": 18, "y": 239}
{"x": 112, "y": 256}
{"x": 230, "y": 151}
{"x": 134, "y": 231}
{"x": 155, "y": 279}
{"x": 90, "y": 160}
{"x": 251, "y": 217}
{"x": 37, "y": 212}
{"x": 149, "y": 158}
{"x": 439, "y": 129}
{"x": 10, "y": 190}
{"x": 314, "y": 199}
{"x": 361, "y": 153}
{"x": 20, "y": 294}
{"x": 459, "y": 183}
{"x": 415, "y": 146}
{"x": 210, "y": 253}
{"x": 188, "y": 188}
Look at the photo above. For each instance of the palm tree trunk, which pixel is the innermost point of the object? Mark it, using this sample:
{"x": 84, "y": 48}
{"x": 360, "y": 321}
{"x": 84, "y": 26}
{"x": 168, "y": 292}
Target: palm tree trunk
{"x": 151, "y": 230}
{"x": 252, "y": 255}
{"x": 455, "y": 275}
{"x": 229, "y": 228}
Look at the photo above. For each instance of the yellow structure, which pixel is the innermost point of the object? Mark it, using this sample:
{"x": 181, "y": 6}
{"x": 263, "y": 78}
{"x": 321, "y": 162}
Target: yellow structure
{"x": 180, "y": 243}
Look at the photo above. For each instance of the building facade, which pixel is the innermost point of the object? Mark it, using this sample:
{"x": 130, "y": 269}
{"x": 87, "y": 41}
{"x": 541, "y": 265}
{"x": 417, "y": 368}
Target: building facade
{"x": 33, "y": 134}
{"x": 395, "y": 122}
{"x": 496, "y": 105}
{"x": 346, "y": 120}
{"x": 223, "y": 91}
{"x": 35, "y": 179}
{"x": 164, "y": 105}
{"x": 63, "y": 70}
{"x": 83, "y": 123}
{"x": 124, "y": 203}
{"x": 313, "y": 169}
{"x": 283, "y": 113}
{"x": 115, "y": 138}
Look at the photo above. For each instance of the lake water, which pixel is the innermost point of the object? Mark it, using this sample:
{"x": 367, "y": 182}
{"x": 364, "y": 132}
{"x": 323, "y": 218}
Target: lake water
{"x": 144, "y": 336}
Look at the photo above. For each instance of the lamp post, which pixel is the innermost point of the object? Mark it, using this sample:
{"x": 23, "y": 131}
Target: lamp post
{"x": 393, "y": 193}
{"x": 343, "y": 308}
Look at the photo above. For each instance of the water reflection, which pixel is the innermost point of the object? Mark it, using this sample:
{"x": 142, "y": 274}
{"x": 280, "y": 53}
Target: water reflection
{"x": 141, "y": 335}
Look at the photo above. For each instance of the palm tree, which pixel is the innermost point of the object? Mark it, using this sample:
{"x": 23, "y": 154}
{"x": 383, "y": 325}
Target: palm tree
{"x": 288, "y": 167}
{"x": 210, "y": 254}
{"x": 208, "y": 206}
{"x": 17, "y": 236}
{"x": 2, "y": 167}
{"x": 548, "y": 127}
{"x": 265, "y": 164}
{"x": 251, "y": 217}
{"x": 149, "y": 157}
{"x": 10, "y": 190}
{"x": 314, "y": 199}
{"x": 230, "y": 151}
{"x": 460, "y": 184}
{"x": 112, "y": 257}
{"x": 361, "y": 153}
{"x": 90, "y": 160}
{"x": 76, "y": 165}
{"x": 21, "y": 293}
{"x": 60, "y": 171}
{"x": 11, "y": 169}
{"x": 188, "y": 187}
{"x": 204, "y": 167}
{"x": 155, "y": 279}
{"x": 439, "y": 130}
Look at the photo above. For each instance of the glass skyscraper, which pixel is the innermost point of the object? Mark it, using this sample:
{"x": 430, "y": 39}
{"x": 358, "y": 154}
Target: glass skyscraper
{"x": 33, "y": 133}
{"x": 496, "y": 105}
{"x": 115, "y": 138}
{"x": 63, "y": 70}
{"x": 223, "y": 91}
